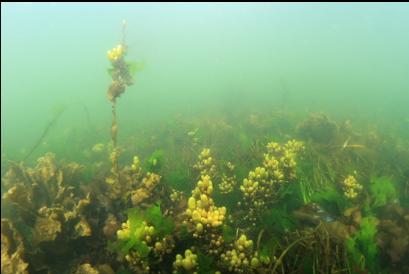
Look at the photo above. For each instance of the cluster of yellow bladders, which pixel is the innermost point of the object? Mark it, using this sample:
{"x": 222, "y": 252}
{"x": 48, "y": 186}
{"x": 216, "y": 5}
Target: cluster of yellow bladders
{"x": 143, "y": 233}
{"x": 149, "y": 182}
{"x": 136, "y": 165}
{"x": 241, "y": 258}
{"x": 227, "y": 183}
{"x": 351, "y": 187}
{"x": 147, "y": 235}
{"x": 175, "y": 196}
{"x": 98, "y": 148}
{"x": 116, "y": 53}
{"x": 146, "y": 187}
{"x": 205, "y": 164}
{"x": 201, "y": 211}
{"x": 202, "y": 214}
{"x": 188, "y": 263}
{"x": 278, "y": 168}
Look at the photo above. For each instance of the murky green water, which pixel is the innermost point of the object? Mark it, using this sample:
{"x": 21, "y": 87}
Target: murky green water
{"x": 217, "y": 138}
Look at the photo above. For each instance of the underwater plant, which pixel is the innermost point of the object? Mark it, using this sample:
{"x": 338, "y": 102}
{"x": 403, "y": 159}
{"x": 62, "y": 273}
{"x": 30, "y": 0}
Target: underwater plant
{"x": 318, "y": 128}
{"x": 241, "y": 258}
{"x": 382, "y": 191}
{"x": 209, "y": 194}
{"x": 155, "y": 161}
{"x": 145, "y": 233}
{"x": 150, "y": 227}
{"x": 121, "y": 78}
{"x": 48, "y": 209}
{"x": 392, "y": 237}
{"x": 262, "y": 186}
{"x": 228, "y": 180}
{"x": 188, "y": 263}
{"x": 351, "y": 187}
{"x": 362, "y": 247}
{"x": 331, "y": 200}
{"x": 12, "y": 250}
{"x": 134, "y": 186}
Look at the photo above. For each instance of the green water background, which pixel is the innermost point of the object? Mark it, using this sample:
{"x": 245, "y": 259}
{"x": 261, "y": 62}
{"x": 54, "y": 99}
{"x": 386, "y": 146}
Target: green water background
{"x": 349, "y": 60}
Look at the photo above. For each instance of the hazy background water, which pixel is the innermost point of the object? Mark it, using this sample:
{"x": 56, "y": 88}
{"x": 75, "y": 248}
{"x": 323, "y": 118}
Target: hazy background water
{"x": 346, "y": 59}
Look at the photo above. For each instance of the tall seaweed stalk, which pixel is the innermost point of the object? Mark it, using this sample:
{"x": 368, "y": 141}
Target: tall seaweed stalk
{"x": 121, "y": 78}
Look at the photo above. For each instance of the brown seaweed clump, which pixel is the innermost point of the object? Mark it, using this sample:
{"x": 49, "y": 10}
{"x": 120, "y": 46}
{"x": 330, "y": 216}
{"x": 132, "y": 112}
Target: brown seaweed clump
{"x": 89, "y": 269}
{"x": 393, "y": 237}
{"x": 134, "y": 185}
{"x": 12, "y": 250}
{"x": 120, "y": 72}
{"x": 318, "y": 128}
{"x": 43, "y": 191}
{"x": 47, "y": 207}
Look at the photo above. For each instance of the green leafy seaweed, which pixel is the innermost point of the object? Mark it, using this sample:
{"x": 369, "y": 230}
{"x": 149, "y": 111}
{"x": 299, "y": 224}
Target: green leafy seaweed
{"x": 136, "y": 217}
{"x": 229, "y": 234}
{"x": 382, "y": 191}
{"x": 155, "y": 161}
{"x": 331, "y": 200}
{"x": 278, "y": 219}
{"x": 362, "y": 247}
{"x": 205, "y": 263}
{"x": 163, "y": 225}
